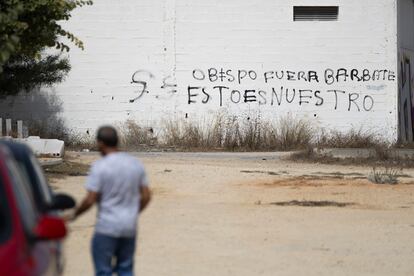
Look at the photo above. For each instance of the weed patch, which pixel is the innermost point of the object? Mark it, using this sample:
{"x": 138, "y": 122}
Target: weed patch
{"x": 232, "y": 134}
{"x": 386, "y": 176}
{"x": 134, "y": 136}
{"x": 67, "y": 168}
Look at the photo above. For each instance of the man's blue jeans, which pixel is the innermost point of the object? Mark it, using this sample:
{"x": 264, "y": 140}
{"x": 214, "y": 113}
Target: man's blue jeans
{"x": 106, "y": 248}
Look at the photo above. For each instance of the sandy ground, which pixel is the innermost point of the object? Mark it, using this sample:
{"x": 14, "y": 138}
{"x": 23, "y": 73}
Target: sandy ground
{"x": 217, "y": 214}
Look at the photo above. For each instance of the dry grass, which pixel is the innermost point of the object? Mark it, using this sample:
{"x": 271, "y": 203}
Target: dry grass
{"x": 185, "y": 134}
{"x": 134, "y": 136}
{"x": 292, "y": 134}
{"x": 383, "y": 153}
{"x": 351, "y": 139}
{"x": 78, "y": 141}
{"x": 391, "y": 160}
{"x": 226, "y": 133}
{"x": 231, "y": 133}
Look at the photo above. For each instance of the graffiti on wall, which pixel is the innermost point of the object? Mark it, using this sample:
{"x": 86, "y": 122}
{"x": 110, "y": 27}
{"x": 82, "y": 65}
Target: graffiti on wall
{"x": 223, "y": 84}
{"x": 141, "y": 79}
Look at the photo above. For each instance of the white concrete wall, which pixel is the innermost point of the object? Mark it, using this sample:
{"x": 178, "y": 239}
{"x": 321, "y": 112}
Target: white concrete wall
{"x": 161, "y": 43}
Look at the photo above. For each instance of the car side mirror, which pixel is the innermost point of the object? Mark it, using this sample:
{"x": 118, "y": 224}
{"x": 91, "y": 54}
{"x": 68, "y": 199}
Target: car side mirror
{"x": 50, "y": 228}
{"x": 62, "y": 202}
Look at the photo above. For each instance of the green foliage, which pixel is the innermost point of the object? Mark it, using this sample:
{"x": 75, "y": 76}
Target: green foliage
{"x": 25, "y": 74}
{"x": 29, "y": 26}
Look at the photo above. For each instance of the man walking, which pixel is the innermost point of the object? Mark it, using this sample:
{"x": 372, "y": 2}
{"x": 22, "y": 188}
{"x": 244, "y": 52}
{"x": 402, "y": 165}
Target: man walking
{"x": 119, "y": 186}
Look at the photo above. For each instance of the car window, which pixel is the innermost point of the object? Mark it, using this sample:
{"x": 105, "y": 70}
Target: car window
{"x": 25, "y": 175}
{"x": 41, "y": 180}
{"x": 5, "y": 218}
{"x": 36, "y": 182}
{"x": 23, "y": 196}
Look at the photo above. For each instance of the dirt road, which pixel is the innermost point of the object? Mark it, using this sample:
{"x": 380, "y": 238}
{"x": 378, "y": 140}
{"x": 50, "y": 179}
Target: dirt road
{"x": 236, "y": 214}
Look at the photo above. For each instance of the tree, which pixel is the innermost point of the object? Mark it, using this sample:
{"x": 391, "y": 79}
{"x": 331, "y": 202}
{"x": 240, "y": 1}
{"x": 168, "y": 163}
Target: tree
{"x": 27, "y": 28}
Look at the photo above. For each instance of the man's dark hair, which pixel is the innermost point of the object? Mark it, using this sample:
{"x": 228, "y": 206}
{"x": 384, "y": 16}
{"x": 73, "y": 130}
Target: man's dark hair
{"x": 108, "y": 136}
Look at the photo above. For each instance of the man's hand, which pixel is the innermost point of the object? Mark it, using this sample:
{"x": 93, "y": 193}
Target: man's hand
{"x": 90, "y": 199}
{"x": 145, "y": 194}
{"x": 68, "y": 216}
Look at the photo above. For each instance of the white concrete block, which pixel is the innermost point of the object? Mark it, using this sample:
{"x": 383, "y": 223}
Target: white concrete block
{"x": 45, "y": 147}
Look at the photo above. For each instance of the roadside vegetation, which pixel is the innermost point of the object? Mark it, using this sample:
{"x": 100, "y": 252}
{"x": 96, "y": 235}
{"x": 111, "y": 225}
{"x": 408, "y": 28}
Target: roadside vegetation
{"x": 232, "y": 134}
{"x": 229, "y": 133}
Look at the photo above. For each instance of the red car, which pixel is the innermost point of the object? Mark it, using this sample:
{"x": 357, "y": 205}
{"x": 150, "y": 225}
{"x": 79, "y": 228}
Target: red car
{"x": 25, "y": 234}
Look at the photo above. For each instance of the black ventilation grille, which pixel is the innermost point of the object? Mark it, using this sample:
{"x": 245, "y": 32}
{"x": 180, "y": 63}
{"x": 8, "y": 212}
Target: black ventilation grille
{"x": 315, "y": 13}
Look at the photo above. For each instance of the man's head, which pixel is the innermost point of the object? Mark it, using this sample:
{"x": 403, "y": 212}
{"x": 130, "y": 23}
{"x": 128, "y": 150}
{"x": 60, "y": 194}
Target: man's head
{"x": 107, "y": 139}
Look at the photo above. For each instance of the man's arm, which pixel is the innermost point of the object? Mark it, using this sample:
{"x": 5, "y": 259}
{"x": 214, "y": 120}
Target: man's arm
{"x": 90, "y": 199}
{"x": 145, "y": 197}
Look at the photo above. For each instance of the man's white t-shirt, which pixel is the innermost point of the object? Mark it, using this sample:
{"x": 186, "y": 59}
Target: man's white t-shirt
{"x": 117, "y": 178}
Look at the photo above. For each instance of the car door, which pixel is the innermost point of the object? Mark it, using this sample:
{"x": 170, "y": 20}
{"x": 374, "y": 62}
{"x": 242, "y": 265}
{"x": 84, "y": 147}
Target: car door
{"x": 40, "y": 252}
